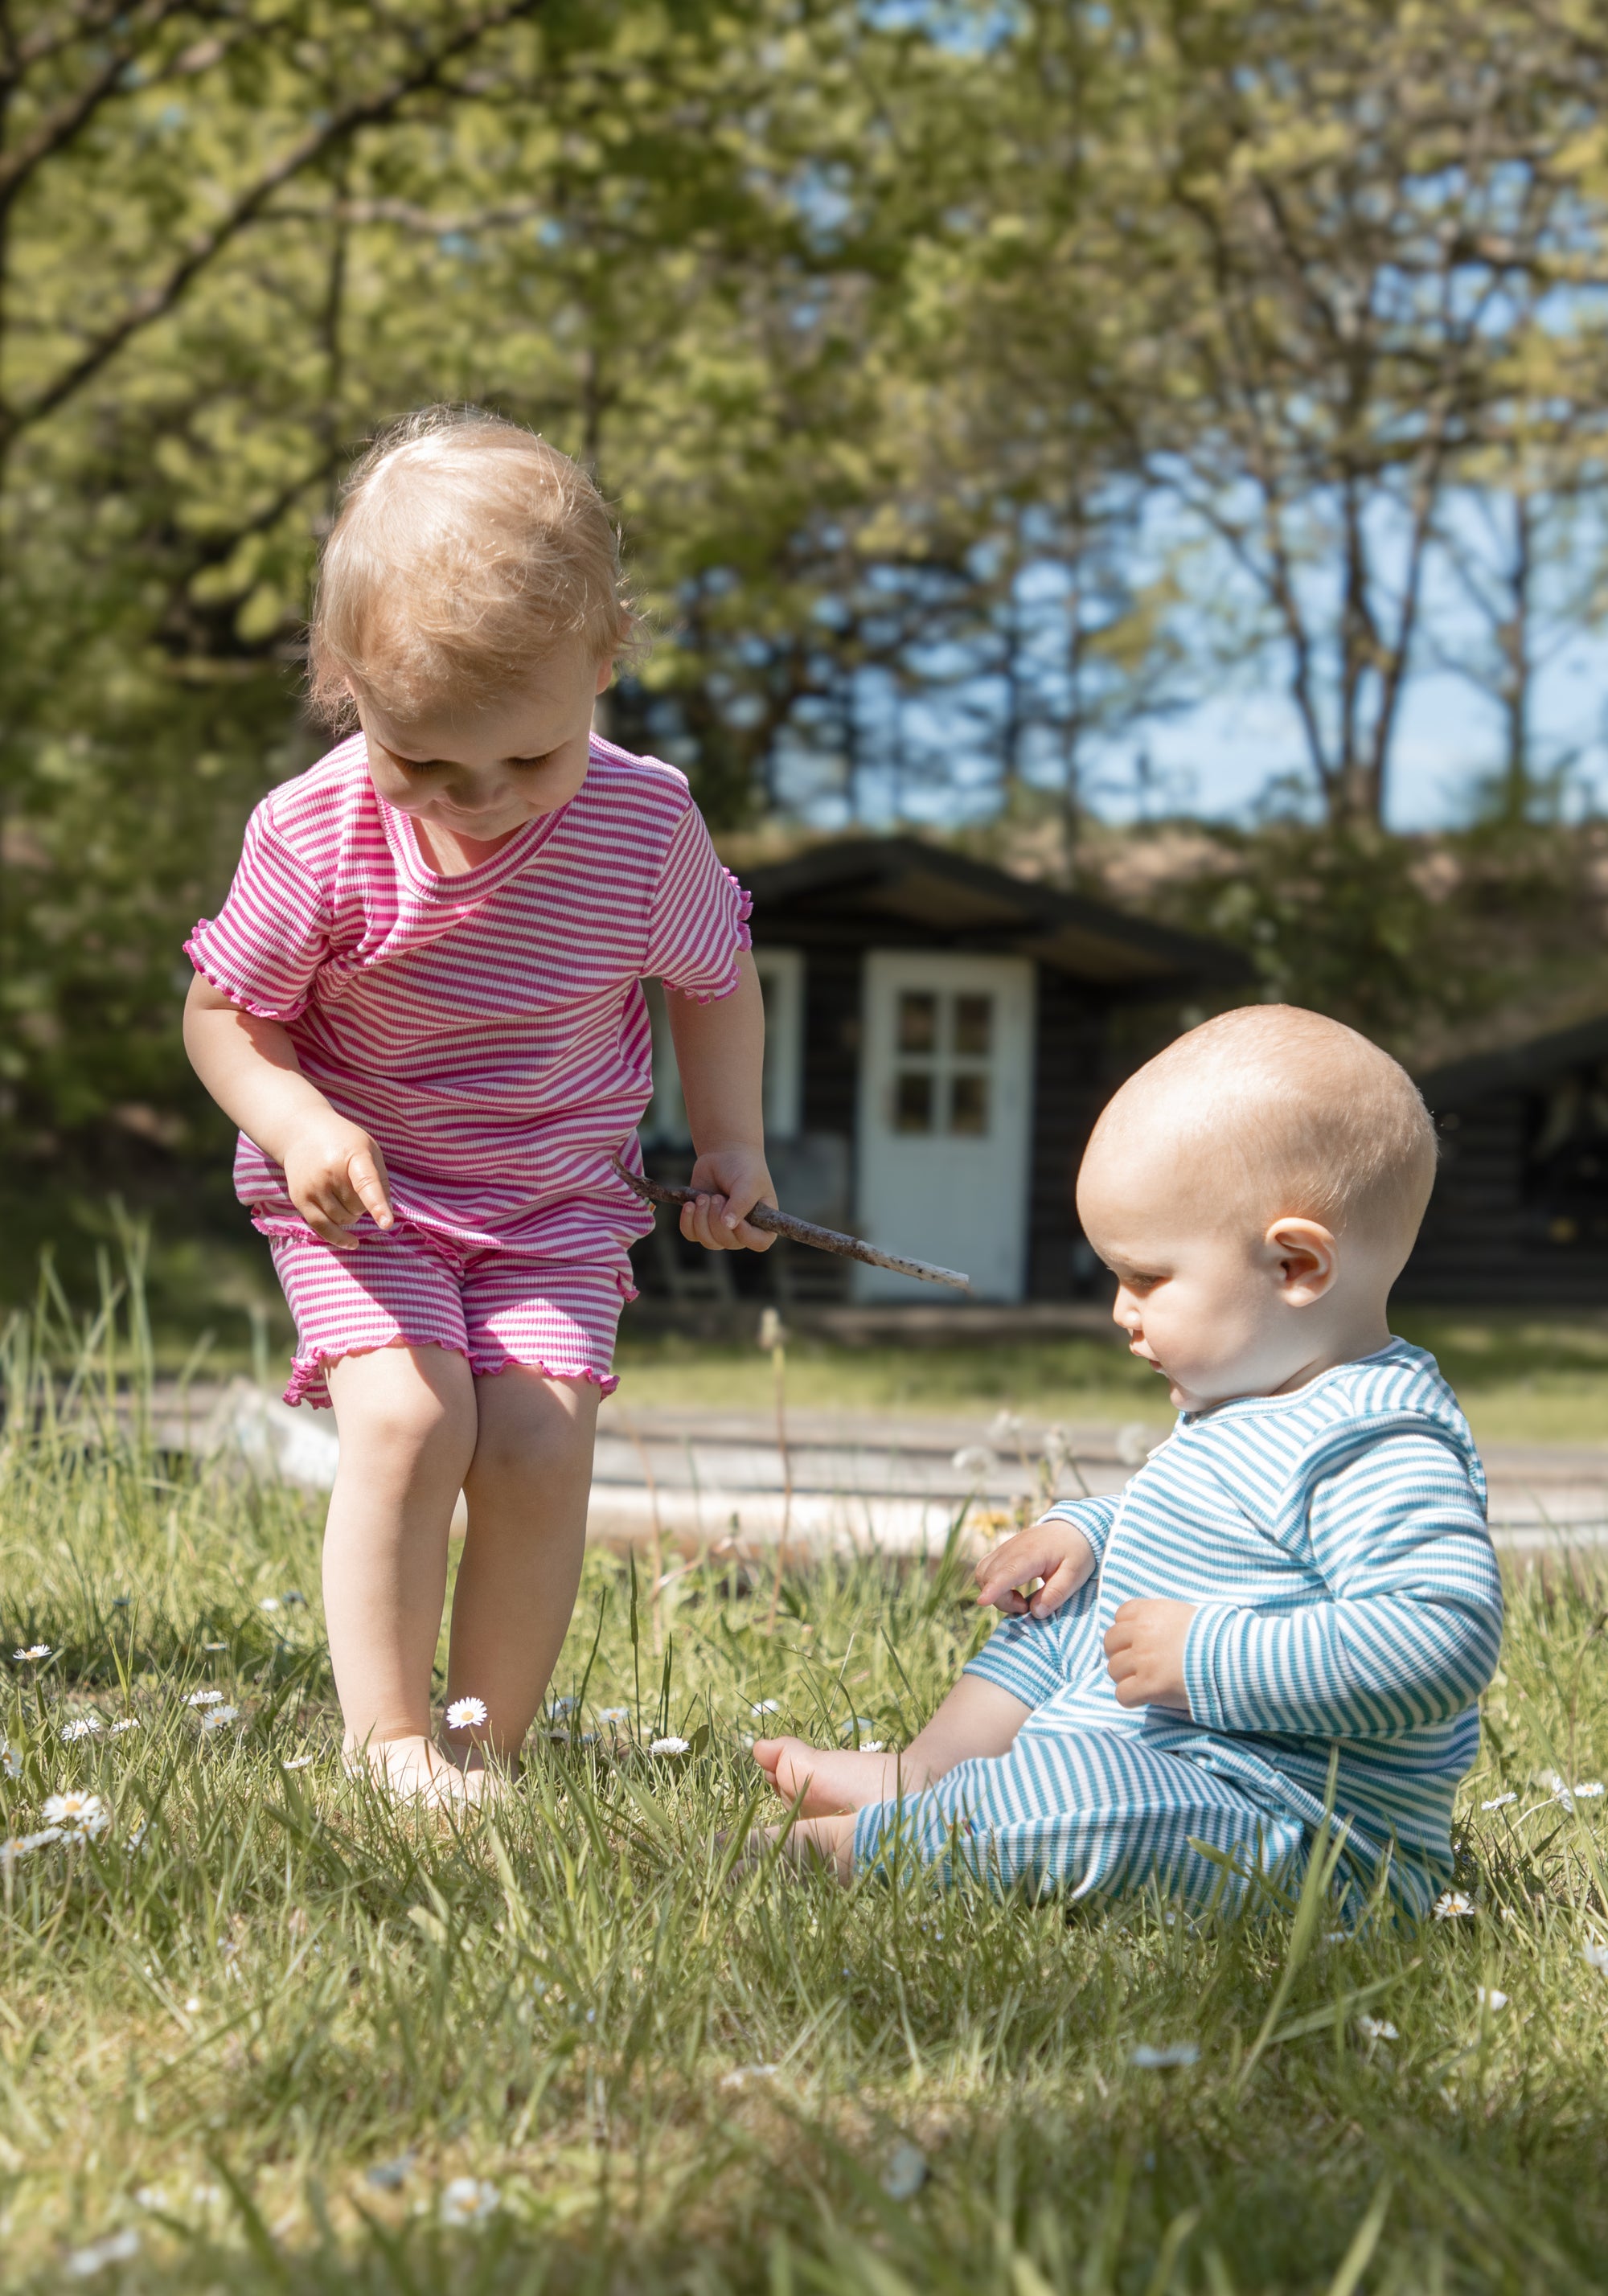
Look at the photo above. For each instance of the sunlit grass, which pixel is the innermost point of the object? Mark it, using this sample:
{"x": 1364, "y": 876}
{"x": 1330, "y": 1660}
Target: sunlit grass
{"x": 263, "y": 2031}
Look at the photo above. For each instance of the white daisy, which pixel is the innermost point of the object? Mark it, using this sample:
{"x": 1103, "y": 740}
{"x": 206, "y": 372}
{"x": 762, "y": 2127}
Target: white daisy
{"x": 766, "y": 1706}
{"x": 1006, "y": 1427}
{"x": 615, "y": 1714}
{"x": 563, "y": 1706}
{"x": 204, "y": 1697}
{"x": 23, "y": 1845}
{"x": 1586, "y": 1789}
{"x": 1490, "y": 1998}
{"x": 85, "y": 1726}
{"x": 1454, "y": 1906}
{"x": 669, "y": 1745}
{"x": 220, "y": 1718}
{"x": 1499, "y": 1801}
{"x": 742, "y": 2074}
{"x": 34, "y": 1651}
{"x": 1377, "y": 2028}
{"x": 469, "y": 2201}
{"x": 117, "y": 2248}
{"x": 1170, "y": 2053}
{"x": 873, "y": 1745}
{"x": 298, "y": 1762}
{"x": 129, "y": 1722}
{"x": 1597, "y": 1956}
{"x": 11, "y": 1760}
{"x": 77, "y": 1814}
{"x": 466, "y": 1714}
{"x": 215, "y": 1646}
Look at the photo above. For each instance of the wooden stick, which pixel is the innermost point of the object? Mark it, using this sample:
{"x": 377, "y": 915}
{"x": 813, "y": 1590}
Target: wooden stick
{"x": 820, "y": 1239}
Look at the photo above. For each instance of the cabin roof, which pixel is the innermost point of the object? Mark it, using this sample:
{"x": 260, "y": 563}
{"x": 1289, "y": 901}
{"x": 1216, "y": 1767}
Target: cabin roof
{"x": 1518, "y": 1068}
{"x": 878, "y": 888}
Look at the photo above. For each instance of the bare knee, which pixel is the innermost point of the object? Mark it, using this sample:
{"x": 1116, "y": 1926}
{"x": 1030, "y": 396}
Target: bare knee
{"x": 401, "y": 1409}
{"x": 531, "y": 1431}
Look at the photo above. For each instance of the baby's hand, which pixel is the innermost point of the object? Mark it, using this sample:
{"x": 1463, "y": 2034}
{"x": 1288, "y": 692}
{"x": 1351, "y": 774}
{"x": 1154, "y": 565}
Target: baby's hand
{"x": 730, "y": 1181}
{"x": 1054, "y": 1550}
{"x": 334, "y": 1173}
{"x": 1144, "y": 1654}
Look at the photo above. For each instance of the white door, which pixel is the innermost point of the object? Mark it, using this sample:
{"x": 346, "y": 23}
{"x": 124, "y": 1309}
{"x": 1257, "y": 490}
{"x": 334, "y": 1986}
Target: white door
{"x": 946, "y": 1111}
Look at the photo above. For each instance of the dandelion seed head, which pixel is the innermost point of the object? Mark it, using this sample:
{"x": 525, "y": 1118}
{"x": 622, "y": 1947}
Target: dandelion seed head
{"x": 466, "y": 1713}
{"x": 975, "y": 1460}
{"x": 1134, "y": 1443}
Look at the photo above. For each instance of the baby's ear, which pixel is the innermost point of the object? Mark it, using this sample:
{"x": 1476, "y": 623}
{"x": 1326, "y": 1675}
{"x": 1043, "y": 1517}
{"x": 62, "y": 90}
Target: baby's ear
{"x": 1306, "y": 1258}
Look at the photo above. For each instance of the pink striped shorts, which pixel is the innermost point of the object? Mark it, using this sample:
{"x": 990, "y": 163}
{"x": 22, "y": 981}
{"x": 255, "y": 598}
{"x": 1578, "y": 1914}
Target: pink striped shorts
{"x": 407, "y": 1289}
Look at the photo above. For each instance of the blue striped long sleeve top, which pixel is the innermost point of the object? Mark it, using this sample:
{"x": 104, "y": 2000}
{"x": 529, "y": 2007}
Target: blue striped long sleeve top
{"x": 1335, "y": 1543}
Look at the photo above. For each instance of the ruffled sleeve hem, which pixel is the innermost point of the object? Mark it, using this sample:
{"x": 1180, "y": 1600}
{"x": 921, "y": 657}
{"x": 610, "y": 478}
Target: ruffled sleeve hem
{"x": 259, "y": 1008}
{"x": 744, "y": 942}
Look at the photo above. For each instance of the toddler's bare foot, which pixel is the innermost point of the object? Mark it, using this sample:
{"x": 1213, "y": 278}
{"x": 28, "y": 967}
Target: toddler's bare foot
{"x": 411, "y": 1768}
{"x": 834, "y": 1778}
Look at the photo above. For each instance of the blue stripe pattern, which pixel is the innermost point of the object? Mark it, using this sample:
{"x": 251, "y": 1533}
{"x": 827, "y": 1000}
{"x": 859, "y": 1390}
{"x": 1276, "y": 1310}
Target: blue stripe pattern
{"x": 1349, "y": 1603}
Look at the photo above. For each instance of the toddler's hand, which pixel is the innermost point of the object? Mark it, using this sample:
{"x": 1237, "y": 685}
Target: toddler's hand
{"x": 334, "y": 1173}
{"x": 1144, "y": 1654}
{"x": 1054, "y": 1550}
{"x": 730, "y": 1181}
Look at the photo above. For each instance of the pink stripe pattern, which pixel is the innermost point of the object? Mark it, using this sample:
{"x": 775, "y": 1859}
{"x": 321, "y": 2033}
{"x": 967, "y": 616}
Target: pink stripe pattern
{"x": 489, "y": 1030}
{"x": 495, "y": 1310}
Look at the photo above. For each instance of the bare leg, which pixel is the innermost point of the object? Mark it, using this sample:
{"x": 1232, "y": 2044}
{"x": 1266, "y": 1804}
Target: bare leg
{"x": 407, "y": 1417}
{"x": 527, "y": 1488}
{"x": 977, "y": 1721}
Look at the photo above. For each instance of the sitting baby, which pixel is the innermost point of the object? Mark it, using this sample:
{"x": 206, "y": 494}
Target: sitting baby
{"x": 1300, "y": 1571}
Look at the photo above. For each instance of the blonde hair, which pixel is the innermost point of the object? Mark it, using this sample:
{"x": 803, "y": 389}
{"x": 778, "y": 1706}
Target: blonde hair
{"x": 1301, "y": 1108}
{"x": 465, "y": 549}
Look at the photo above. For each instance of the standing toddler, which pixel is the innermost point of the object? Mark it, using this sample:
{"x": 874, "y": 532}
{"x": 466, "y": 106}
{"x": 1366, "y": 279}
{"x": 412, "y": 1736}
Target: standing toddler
{"x": 421, "y": 1003}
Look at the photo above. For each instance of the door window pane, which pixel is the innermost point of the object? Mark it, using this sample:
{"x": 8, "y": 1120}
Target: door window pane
{"x": 913, "y": 1101}
{"x": 974, "y": 1026}
{"x": 969, "y": 1104}
{"x": 918, "y": 1022}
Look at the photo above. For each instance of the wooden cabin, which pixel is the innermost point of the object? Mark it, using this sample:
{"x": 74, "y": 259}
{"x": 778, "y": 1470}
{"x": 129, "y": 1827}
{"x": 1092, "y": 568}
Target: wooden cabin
{"x": 936, "y": 1053}
{"x": 1520, "y": 1212}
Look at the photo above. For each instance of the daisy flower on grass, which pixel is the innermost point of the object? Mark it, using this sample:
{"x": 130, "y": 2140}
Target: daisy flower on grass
{"x": 220, "y": 1718}
{"x": 11, "y": 1760}
{"x": 469, "y": 2201}
{"x": 1454, "y": 1906}
{"x": 1490, "y": 1998}
{"x": 1377, "y": 2028}
{"x": 1499, "y": 1801}
{"x": 466, "y": 1714}
{"x": 35, "y": 1651}
{"x": 205, "y": 1698}
{"x": 86, "y": 1725}
{"x": 298, "y": 1762}
{"x": 615, "y": 1714}
{"x": 117, "y": 2248}
{"x": 1595, "y": 1957}
{"x": 23, "y": 1845}
{"x": 669, "y": 1745}
{"x": 78, "y": 1814}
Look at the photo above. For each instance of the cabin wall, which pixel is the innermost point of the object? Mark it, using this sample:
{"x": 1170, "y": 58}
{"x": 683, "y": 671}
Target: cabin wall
{"x": 1483, "y": 1242}
{"x": 1070, "y": 1088}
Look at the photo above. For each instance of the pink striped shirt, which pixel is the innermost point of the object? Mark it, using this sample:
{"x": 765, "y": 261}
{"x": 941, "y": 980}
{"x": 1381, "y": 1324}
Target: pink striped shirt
{"x": 489, "y": 1030}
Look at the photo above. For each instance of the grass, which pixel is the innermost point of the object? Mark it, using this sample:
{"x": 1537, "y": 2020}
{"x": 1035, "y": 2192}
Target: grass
{"x": 255, "y": 2032}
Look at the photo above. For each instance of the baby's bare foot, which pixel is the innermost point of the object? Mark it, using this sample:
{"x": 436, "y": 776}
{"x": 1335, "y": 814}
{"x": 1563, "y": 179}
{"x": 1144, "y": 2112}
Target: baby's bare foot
{"x": 814, "y": 1844}
{"x": 831, "y": 1779}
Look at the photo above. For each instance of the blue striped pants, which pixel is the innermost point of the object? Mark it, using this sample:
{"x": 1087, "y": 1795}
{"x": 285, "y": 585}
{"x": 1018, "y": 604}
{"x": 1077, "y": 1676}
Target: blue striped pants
{"x": 1094, "y": 1811}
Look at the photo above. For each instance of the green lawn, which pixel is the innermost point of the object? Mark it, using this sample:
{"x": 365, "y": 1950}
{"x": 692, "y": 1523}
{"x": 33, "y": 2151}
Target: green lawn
{"x": 253, "y": 2032}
